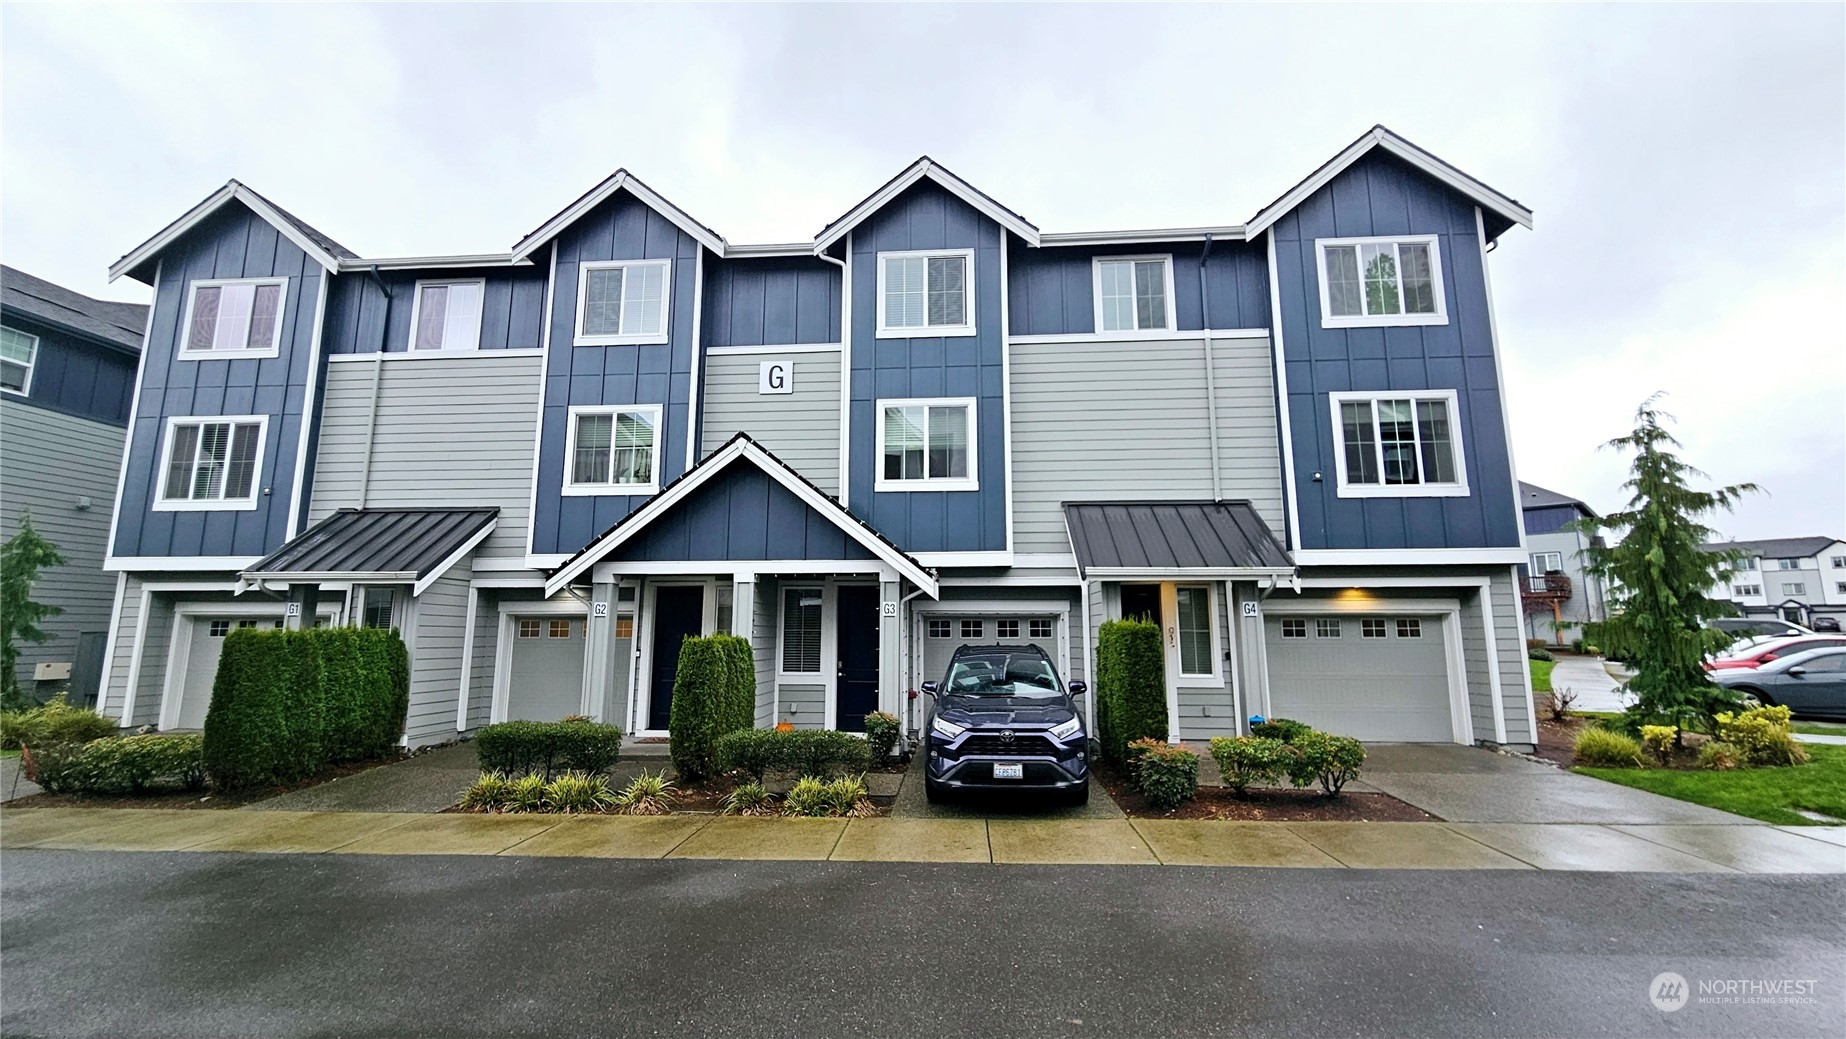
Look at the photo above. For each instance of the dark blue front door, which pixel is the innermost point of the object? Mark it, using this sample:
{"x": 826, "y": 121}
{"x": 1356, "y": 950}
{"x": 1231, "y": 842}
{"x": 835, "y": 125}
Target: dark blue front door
{"x": 679, "y": 611}
{"x": 857, "y": 677}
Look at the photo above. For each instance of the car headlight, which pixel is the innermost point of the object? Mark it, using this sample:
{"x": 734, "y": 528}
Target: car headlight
{"x": 1065, "y": 730}
{"x": 946, "y": 729}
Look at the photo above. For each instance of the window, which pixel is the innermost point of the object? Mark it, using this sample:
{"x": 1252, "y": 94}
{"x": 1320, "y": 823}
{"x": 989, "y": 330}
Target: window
{"x": 446, "y": 315}
{"x": 927, "y": 293}
{"x": 1327, "y": 627}
{"x": 1788, "y": 564}
{"x": 1839, "y": 562}
{"x": 941, "y": 629}
{"x": 1840, "y": 587}
{"x": 613, "y": 450}
{"x": 379, "y": 607}
{"x": 1193, "y": 604}
{"x": 1039, "y": 628}
{"x": 1409, "y": 628}
{"x": 722, "y": 609}
{"x": 625, "y": 626}
{"x": 234, "y": 317}
{"x": 1006, "y": 629}
{"x": 1132, "y": 293}
{"x": 801, "y": 630}
{"x": 1398, "y": 446}
{"x": 972, "y": 629}
{"x": 1372, "y": 628}
{"x": 622, "y": 302}
{"x": 1747, "y": 589}
{"x": 928, "y": 445}
{"x": 558, "y": 629}
{"x": 1380, "y": 281}
{"x": 18, "y": 352}
{"x": 219, "y": 629}
{"x": 1547, "y": 562}
{"x": 1829, "y": 664}
{"x": 529, "y": 629}
{"x": 1795, "y": 588}
{"x": 211, "y": 463}
{"x": 1294, "y": 628}
{"x": 1752, "y": 563}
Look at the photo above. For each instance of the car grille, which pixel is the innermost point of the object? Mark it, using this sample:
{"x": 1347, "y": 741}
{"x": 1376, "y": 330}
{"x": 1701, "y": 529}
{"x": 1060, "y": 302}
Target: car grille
{"x": 1022, "y": 745}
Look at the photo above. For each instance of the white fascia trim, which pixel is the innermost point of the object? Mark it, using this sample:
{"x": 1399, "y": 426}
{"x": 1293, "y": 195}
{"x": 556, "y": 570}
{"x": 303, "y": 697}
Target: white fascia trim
{"x": 1048, "y": 560}
{"x": 950, "y": 182}
{"x": 1278, "y": 352}
{"x": 544, "y": 370}
{"x": 1499, "y": 375}
{"x": 640, "y": 518}
{"x": 788, "y": 348}
{"x": 545, "y": 561}
{"x": 397, "y": 356}
{"x": 232, "y": 564}
{"x": 134, "y": 414}
{"x": 456, "y": 556}
{"x": 1229, "y": 232}
{"x": 939, "y": 559}
{"x": 509, "y": 581}
{"x": 1379, "y": 137}
{"x": 1408, "y": 556}
{"x": 193, "y": 216}
{"x": 163, "y": 504}
{"x": 1153, "y": 335}
{"x": 1172, "y": 302}
{"x": 398, "y": 263}
{"x": 736, "y": 251}
{"x": 1016, "y": 579}
{"x": 1184, "y": 574}
{"x": 295, "y": 504}
{"x": 1432, "y": 581}
{"x": 620, "y": 180}
{"x": 605, "y": 572}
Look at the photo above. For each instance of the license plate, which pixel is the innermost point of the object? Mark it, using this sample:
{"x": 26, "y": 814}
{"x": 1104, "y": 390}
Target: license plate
{"x": 1009, "y": 771}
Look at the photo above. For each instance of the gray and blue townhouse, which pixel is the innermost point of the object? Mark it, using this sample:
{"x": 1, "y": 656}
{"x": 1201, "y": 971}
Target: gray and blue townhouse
{"x": 933, "y": 424}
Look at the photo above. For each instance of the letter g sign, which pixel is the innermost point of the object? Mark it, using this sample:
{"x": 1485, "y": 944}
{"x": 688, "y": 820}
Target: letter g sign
{"x": 776, "y": 377}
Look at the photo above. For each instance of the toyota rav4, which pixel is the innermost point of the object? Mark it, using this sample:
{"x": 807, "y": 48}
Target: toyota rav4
{"x": 1001, "y": 720}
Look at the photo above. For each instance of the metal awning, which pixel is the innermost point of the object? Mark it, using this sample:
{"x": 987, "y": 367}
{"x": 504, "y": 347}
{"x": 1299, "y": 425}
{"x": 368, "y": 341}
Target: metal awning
{"x": 1173, "y": 539}
{"x": 407, "y": 546}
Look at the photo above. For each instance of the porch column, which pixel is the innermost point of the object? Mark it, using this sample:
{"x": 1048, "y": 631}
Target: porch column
{"x": 303, "y": 604}
{"x": 1252, "y": 678}
{"x": 743, "y": 625}
{"x": 890, "y": 645}
{"x": 599, "y": 652}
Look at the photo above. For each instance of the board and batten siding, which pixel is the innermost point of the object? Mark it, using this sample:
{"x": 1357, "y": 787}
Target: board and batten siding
{"x": 49, "y": 463}
{"x": 801, "y": 427}
{"x": 436, "y": 663}
{"x": 1126, "y": 421}
{"x": 451, "y": 431}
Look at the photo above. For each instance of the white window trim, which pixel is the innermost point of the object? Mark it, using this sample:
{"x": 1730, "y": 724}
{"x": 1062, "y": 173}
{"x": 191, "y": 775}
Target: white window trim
{"x": 820, "y": 674}
{"x": 1458, "y": 489}
{"x": 1215, "y": 679}
{"x": 1096, "y": 295}
{"x": 185, "y": 326}
{"x": 967, "y": 328}
{"x": 581, "y": 338}
{"x": 31, "y": 366}
{"x": 416, "y": 312}
{"x": 971, "y": 482}
{"x": 1330, "y": 320}
{"x": 1796, "y": 588}
{"x": 1537, "y": 557}
{"x": 570, "y": 489}
{"x": 247, "y": 504}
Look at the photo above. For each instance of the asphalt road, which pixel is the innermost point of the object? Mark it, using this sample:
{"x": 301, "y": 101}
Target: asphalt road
{"x": 131, "y": 945}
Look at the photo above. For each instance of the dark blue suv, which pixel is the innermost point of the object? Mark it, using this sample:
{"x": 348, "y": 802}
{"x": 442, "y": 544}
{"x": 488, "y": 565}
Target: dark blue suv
{"x": 1001, "y": 720}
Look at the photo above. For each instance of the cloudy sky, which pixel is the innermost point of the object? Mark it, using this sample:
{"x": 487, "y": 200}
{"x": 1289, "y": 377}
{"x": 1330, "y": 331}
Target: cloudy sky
{"x": 1685, "y": 162}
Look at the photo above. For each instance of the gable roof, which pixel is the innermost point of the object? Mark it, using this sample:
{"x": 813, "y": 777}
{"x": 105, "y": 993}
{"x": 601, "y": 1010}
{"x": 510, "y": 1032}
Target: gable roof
{"x": 1127, "y": 538}
{"x": 325, "y": 251}
{"x": 930, "y": 169}
{"x": 741, "y": 448}
{"x": 1776, "y": 548}
{"x": 620, "y": 180}
{"x": 415, "y": 546}
{"x": 1532, "y": 496}
{"x": 1380, "y": 137}
{"x": 119, "y": 324}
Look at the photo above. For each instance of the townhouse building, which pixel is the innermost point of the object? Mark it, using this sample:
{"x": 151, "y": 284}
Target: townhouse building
{"x": 1793, "y": 579}
{"x": 932, "y": 424}
{"x": 1560, "y": 593}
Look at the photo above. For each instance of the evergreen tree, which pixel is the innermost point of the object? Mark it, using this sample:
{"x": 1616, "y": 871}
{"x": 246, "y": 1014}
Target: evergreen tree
{"x": 21, "y": 558}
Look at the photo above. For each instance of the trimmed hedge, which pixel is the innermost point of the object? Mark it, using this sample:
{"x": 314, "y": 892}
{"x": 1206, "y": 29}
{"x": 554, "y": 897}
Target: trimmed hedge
{"x": 54, "y": 721}
{"x": 1284, "y": 729}
{"x": 1246, "y": 760}
{"x": 882, "y": 730}
{"x": 548, "y": 748}
{"x": 811, "y": 752}
{"x": 714, "y": 693}
{"x": 122, "y": 764}
{"x": 1168, "y": 776}
{"x": 1131, "y": 690}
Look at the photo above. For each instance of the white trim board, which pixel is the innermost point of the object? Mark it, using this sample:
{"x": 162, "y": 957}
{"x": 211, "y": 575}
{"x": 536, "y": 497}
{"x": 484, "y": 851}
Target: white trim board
{"x": 194, "y": 216}
{"x": 620, "y": 180}
{"x": 923, "y": 168}
{"x": 789, "y": 348}
{"x": 231, "y": 564}
{"x": 134, "y": 415}
{"x": 1153, "y": 335}
{"x": 1407, "y": 556}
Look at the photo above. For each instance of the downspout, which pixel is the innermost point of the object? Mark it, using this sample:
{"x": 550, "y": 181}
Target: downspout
{"x": 378, "y": 371}
{"x": 903, "y": 643}
{"x": 845, "y": 368}
{"x": 1211, "y": 384}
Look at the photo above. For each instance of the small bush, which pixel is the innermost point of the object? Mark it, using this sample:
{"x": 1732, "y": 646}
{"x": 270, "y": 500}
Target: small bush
{"x": 820, "y": 752}
{"x": 1331, "y": 760}
{"x": 1604, "y": 748}
{"x": 1136, "y": 748}
{"x": 650, "y": 793}
{"x": 1589, "y": 649}
{"x": 755, "y": 752}
{"x": 1244, "y": 760}
{"x": 573, "y": 792}
{"x": 1131, "y": 691}
{"x": 121, "y": 764}
{"x": 1763, "y": 734}
{"x": 881, "y": 732}
{"x": 525, "y": 794}
{"x": 712, "y": 695}
{"x": 749, "y": 799}
{"x": 548, "y": 748}
{"x": 1167, "y": 776}
{"x": 1720, "y": 756}
{"x": 1576, "y": 645}
{"x": 1539, "y": 653}
{"x": 1659, "y": 741}
{"x": 1561, "y": 701}
{"x": 1532, "y": 644}
{"x": 487, "y": 794}
{"x": 54, "y": 721}
{"x": 848, "y": 798}
{"x": 1284, "y": 729}
{"x": 808, "y": 797}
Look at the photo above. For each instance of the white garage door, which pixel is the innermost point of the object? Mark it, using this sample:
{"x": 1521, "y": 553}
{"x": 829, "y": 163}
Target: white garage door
{"x": 1381, "y": 678}
{"x": 944, "y": 633}
{"x": 546, "y": 676}
{"x": 207, "y": 643}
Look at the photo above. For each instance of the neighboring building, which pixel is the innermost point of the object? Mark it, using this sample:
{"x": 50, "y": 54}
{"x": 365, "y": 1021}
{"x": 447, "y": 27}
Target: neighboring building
{"x": 1796, "y": 579}
{"x": 1560, "y": 595}
{"x": 67, "y": 379}
{"x": 932, "y": 424}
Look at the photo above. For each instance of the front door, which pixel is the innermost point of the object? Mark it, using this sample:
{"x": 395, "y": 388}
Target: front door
{"x": 679, "y": 611}
{"x": 856, "y": 694}
{"x": 1141, "y": 601}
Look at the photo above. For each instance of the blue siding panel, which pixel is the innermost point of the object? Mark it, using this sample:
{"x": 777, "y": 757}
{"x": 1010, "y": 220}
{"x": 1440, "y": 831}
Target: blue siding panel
{"x": 1054, "y": 288}
{"x": 780, "y": 301}
{"x": 1376, "y": 196}
{"x": 367, "y": 312}
{"x": 1549, "y": 520}
{"x": 741, "y": 514}
{"x": 75, "y": 376}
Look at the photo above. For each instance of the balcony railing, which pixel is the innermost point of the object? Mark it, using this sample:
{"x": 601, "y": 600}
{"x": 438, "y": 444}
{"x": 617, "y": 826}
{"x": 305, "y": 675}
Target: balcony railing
{"x": 1548, "y": 588}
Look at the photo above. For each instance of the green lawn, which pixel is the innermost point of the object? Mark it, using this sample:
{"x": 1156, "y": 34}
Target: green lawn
{"x": 9, "y": 753}
{"x": 1541, "y": 675}
{"x": 1821, "y": 728}
{"x": 1769, "y": 794}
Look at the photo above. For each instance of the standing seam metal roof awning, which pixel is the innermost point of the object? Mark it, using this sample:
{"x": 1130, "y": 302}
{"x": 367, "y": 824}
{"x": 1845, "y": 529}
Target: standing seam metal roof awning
{"x": 404, "y": 545}
{"x": 1209, "y": 537}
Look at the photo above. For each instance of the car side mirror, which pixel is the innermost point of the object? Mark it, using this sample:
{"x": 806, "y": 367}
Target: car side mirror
{"x": 1797, "y": 672}
{"x": 932, "y": 688}
{"x": 1078, "y": 687}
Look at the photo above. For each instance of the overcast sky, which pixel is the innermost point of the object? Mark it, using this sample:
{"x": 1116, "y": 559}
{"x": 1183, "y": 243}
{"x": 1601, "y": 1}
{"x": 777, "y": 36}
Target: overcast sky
{"x": 1685, "y": 162}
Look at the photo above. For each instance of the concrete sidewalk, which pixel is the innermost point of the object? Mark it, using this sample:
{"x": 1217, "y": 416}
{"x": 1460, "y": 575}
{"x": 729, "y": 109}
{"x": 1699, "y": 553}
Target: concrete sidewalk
{"x": 1516, "y": 846}
{"x": 1589, "y": 678}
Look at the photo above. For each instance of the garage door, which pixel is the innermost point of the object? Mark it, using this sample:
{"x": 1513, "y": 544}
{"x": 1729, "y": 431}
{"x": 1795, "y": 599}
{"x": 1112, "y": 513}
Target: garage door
{"x": 546, "y": 676}
{"x": 1382, "y": 678}
{"x": 944, "y": 633}
{"x": 207, "y": 644}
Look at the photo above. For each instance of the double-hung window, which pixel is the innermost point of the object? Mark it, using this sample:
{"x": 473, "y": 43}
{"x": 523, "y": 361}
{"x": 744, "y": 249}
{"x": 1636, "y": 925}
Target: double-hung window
{"x": 622, "y": 301}
{"x": 926, "y": 293}
{"x": 1192, "y": 603}
{"x": 379, "y": 607}
{"x": 801, "y": 623}
{"x": 613, "y": 450}
{"x": 926, "y": 445}
{"x": 1134, "y": 293}
{"x": 1398, "y": 445}
{"x": 211, "y": 463}
{"x": 1380, "y": 281}
{"x": 18, "y": 353}
{"x": 1742, "y": 590}
{"x": 446, "y": 315}
{"x": 1547, "y": 562}
{"x": 234, "y": 318}
{"x": 1795, "y": 588}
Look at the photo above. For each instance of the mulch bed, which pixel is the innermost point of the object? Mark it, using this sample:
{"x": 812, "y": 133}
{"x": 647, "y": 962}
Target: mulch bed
{"x": 1557, "y": 740}
{"x": 1265, "y": 804}
{"x": 207, "y": 798}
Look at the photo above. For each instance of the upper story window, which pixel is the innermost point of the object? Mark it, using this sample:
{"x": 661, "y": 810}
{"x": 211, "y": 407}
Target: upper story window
{"x": 446, "y": 315}
{"x": 210, "y": 463}
{"x": 1380, "y": 281}
{"x": 234, "y": 317}
{"x": 1547, "y": 562}
{"x": 18, "y": 353}
{"x": 1134, "y": 293}
{"x": 926, "y": 293}
{"x": 1398, "y": 445}
{"x": 927, "y": 445}
{"x": 1751, "y": 563}
{"x": 1795, "y": 588}
{"x": 622, "y": 301}
{"x": 1746, "y": 589}
{"x": 1838, "y": 562}
{"x": 613, "y": 450}
{"x": 1788, "y": 564}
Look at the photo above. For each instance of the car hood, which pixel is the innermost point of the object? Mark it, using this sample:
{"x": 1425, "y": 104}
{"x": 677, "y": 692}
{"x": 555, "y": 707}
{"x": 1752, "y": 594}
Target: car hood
{"x": 981, "y": 712}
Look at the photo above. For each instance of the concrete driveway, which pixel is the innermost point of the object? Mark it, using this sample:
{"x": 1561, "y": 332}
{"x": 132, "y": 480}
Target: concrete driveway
{"x": 1472, "y": 785}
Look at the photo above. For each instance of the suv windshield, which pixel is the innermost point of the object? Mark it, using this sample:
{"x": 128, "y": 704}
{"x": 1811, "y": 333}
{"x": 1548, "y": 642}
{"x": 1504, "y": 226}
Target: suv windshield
{"x": 1003, "y": 674}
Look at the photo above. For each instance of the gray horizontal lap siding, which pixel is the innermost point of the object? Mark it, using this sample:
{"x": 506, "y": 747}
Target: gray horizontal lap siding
{"x": 486, "y": 652}
{"x": 73, "y": 375}
{"x": 741, "y": 514}
{"x": 232, "y": 243}
{"x": 1381, "y": 196}
{"x": 449, "y": 432}
{"x": 436, "y": 661}
{"x": 368, "y": 311}
{"x": 801, "y": 427}
{"x": 803, "y": 705}
{"x": 1054, "y": 289}
{"x": 1207, "y": 711}
{"x": 771, "y": 302}
{"x": 763, "y": 636}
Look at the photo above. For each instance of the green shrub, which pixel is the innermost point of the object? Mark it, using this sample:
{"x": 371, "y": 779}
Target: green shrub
{"x": 755, "y": 752}
{"x": 1168, "y": 776}
{"x": 547, "y": 748}
{"x": 808, "y": 797}
{"x": 1576, "y": 645}
{"x": 809, "y": 752}
{"x": 525, "y": 794}
{"x": 1763, "y": 734}
{"x": 488, "y": 793}
{"x": 1132, "y": 753}
{"x": 1284, "y": 729}
{"x": 121, "y": 764}
{"x": 573, "y": 792}
{"x": 712, "y": 695}
{"x": 1659, "y": 741}
{"x": 812, "y": 796}
{"x": 848, "y": 798}
{"x": 1332, "y": 760}
{"x": 54, "y": 721}
{"x": 1532, "y": 644}
{"x": 1131, "y": 690}
{"x": 881, "y": 732}
{"x": 1244, "y": 760}
{"x": 748, "y": 799}
{"x": 1539, "y": 653}
{"x": 1605, "y": 748}
{"x": 1720, "y": 756}
{"x": 649, "y": 793}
